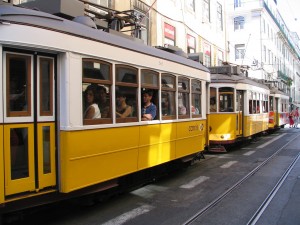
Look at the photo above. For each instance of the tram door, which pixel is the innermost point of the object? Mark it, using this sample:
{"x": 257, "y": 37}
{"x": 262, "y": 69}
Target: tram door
{"x": 239, "y": 109}
{"x": 29, "y": 122}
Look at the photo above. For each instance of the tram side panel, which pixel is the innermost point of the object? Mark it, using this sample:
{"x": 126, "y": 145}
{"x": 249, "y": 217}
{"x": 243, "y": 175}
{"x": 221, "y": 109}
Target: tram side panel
{"x": 92, "y": 156}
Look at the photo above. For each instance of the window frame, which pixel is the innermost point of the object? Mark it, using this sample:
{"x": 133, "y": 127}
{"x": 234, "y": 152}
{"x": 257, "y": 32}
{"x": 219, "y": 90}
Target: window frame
{"x": 155, "y": 89}
{"x": 169, "y": 89}
{"x": 194, "y": 92}
{"x": 101, "y": 82}
{"x": 187, "y": 91}
{"x": 130, "y": 85}
{"x": 28, "y": 60}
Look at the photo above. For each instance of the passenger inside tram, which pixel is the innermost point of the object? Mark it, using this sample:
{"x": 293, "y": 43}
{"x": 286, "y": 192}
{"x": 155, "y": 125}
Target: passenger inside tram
{"x": 103, "y": 104}
{"x": 165, "y": 104}
{"x": 122, "y": 108}
{"x": 92, "y": 111}
{"x": 213, "y": 106}
{"x": 148, "y": 109}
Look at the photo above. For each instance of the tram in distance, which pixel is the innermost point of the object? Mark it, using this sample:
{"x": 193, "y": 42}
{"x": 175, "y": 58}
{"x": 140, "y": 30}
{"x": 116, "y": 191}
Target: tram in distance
{"x": 52, "y": 70}
{"x": 279, "y": 109}
{"x": 241, "y": 108}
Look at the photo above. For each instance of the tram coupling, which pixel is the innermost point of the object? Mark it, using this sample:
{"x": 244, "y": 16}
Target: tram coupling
{"x": 217, "y": 148}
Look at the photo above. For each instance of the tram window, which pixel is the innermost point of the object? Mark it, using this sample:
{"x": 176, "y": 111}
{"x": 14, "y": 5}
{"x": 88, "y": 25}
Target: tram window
{"x": 226, "y": 100}
{"x": 149, "y": 78}
{"x": 98, "y": 97}
{"x": 183, "y": 97}
{"x": 126, "y": 74}
{"x": 212, "y": 101}
{"x": 168, "y": 96}
{"x": 196, "y": 98}
{"x": 265, "y": 104}
{"x": 239, "y": 101}
{"x": 271, "y": 103}
{"x": 126, "y": 94}
{"x": 46, "y": 87}
{"x": 95, "y": 69}
{"x": 150, "y": 84}
{"x": 250, "y": 106}
{"x": 254, "y": 103}
{"x": 19, "y": 153}
{"x": 96, "y": 92}
{"x": 168, "y": 104}
{"x": 46, "y": 150}
{"x": 18, "y": 83}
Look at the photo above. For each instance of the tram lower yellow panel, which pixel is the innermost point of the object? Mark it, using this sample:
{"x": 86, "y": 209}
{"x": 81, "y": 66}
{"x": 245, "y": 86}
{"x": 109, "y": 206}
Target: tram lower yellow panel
{"x": 1, "y": 166}
{"x": 223, "y": 127}
{"x": 93, "y": 156}
{"x": 256, "y": 123}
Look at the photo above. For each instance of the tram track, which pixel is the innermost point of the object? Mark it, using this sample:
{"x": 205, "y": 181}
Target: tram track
{"x": 263, "y": 206}
{"x": 271, "y": 195}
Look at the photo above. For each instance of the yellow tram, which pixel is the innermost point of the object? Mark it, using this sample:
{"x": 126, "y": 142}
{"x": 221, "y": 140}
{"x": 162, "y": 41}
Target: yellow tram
{"x": 50, "y": 149}
{"x": 238, "y": 107}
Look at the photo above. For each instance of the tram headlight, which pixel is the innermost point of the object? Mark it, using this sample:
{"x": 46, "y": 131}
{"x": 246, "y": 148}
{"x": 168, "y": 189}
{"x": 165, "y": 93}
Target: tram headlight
{"x": 225, "y": 136}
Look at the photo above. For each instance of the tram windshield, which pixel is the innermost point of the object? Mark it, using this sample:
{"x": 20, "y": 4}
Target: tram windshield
{"x": 226, "y": 99}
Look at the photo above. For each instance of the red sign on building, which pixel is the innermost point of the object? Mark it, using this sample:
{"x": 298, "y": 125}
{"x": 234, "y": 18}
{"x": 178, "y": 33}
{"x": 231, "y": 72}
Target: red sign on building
{"x": 169, "y": 31}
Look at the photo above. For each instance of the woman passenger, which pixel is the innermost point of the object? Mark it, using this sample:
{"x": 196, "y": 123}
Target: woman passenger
{"x": 92, "y": 111}
{"x": 123, "y": 110}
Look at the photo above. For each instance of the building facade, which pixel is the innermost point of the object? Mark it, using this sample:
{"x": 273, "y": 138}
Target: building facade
{"x": 259, "y": 39}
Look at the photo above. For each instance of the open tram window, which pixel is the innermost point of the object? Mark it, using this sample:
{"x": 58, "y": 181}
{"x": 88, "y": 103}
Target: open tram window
{"x": 239, "y": 101}
{"x": 226, "y": 99}
{"x": 271, "y": 101}
{"x": 250, "y": 97}
{"x": 150, "y": 84}
{"x": 212, "y": 100}
{"x": 258, "y": 103}
{"x": 196, "y": 98}
{"x": 18, "y": 85}
{"x": 254, "y": 104}
{"x": 183, "y": 97}
{"x": 168, "y": 91}
{"x": 126, "y": 94}
{"x": 265, "y": 108}
{"x": 96, "y": 92}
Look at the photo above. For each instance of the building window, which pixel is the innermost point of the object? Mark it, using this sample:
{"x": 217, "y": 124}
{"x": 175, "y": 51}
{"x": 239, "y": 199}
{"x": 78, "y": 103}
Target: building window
{"x": 220, "y": 58}
{"x": 190, "y": 5}
{"x": 237, "y": 3}
{"x": 169, "y": 34}
{"x": 95, "y": 9}
{"x": 219, "y": 16}
{"x": 264, "y": 53}
{"x": 206, "y": 10}
{"x": 191, "y": 44}
{"x": 239, "y": 51}
{"x": 239, "y": 23}
{"x": 207, "y": 55}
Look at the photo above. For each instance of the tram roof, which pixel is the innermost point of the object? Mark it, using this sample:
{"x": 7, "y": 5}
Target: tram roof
{"x": 223, "y": 78}
{"x": 30, "y": 17}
